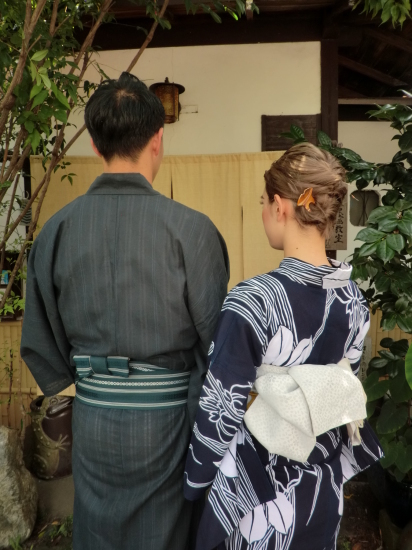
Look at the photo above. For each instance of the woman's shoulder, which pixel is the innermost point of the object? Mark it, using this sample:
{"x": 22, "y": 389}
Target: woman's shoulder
{"x": 262, "y": 288}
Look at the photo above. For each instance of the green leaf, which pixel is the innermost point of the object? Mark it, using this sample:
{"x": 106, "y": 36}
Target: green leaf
{"x": 371, "y": 407}
{"x": 381, "y": 212}
{"x": 367, "y": 249}
{"x": 404, "y": 459}
{"x": 33, "y": 71}
{"x": 388, "y": 224}
{"x": 384, "y": 252}
{"x": 40, "y": 98}
{"x": 59, "y": 96}
{"x": 391, "y": 418}
{"x": 38, "y": 56}
{"x": 400, "y": 347}
{"x": 297, "y": 132}
{"x": 369, "y": 235}
{"x": 46, "y": 81}
{"x": 375, "y": 388}
{"x": 61, "y": 115}
{"x": 405, "y": 227}
{"x": 391, "y": 452}
{"x": 404, "y": 322}
{"x": 378, "y": 362}
{"x": 29, "y": 125}
{"x": 395, "y": 241}
{"x": 405, "y": 142}
{"x": 34, "y": 139}
{"x": 389, "y": 322}
{"x": 401, "y": 304}
{"x": 391, "y": 197}
{"x": 35, "y": 90}
{"x": 399, "y": 388}
{"x": 408, "y": 366}
{"x": 386, "y": 342}
{"x": 401, "y": 205}
{"x": 324, "y": 140}
{"x": 385, "y": 354}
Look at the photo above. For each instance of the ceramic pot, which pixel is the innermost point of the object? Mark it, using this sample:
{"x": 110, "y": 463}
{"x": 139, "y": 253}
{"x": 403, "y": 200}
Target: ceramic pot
{"x": 52, "y": 427}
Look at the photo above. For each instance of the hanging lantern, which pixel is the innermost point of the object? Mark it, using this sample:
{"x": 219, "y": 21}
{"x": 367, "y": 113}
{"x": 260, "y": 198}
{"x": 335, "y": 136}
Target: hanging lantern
{"x": 168, "y": 93}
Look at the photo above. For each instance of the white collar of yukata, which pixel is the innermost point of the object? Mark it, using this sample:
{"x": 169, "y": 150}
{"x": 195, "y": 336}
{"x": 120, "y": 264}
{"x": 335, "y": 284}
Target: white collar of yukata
{"x": 336, "y": 275}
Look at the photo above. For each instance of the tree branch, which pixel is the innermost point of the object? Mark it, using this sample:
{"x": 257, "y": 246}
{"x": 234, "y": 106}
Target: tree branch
{"x": 148, "y": 38}
{"x": 7, "y": 103}
{"x": 6, "y": 151}
{"x": 9, "y": 213}
{"x": 90, "y": 37}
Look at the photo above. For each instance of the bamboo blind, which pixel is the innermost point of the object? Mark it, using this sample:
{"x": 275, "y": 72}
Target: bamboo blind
{"x": 24, "y": 386}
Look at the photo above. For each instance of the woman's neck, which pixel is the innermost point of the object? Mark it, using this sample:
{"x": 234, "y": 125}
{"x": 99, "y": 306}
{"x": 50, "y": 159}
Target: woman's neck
{"x": 306, "y": 244}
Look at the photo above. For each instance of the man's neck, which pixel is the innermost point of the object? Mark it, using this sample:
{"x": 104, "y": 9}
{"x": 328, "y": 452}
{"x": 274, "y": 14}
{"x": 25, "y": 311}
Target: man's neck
{"x": 118, "y": 165}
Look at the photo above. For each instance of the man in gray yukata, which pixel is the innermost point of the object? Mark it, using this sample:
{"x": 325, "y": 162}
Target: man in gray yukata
{"x": 124, "y": 272}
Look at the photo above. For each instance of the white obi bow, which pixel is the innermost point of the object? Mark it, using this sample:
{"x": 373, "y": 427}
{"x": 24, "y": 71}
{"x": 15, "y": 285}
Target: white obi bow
{"x": 296, "y": 404}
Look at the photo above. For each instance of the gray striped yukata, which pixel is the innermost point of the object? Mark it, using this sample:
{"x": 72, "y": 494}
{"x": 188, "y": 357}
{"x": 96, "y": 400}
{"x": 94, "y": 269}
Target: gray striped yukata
{"x": 124, "y": 271}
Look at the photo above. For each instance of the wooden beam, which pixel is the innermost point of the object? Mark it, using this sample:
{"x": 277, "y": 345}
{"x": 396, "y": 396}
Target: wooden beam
{"x": 341, "y": 6}
{"x": 390, "y": 38}
{"x": 124, "y": 8}
{"x": 201, "y": 30}
{"x": 370, "y": 72}
{"x": 348, "y": 93}
{"x": 375, "y": 101}
{"x": 329, "y": 87}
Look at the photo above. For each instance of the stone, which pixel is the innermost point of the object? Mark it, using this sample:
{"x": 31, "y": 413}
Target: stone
{"x": 18, "y": 491}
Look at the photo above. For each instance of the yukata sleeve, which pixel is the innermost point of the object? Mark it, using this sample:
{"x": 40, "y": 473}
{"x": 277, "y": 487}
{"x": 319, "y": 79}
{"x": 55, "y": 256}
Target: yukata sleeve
{"x": 207, "y": 271}
{"x": 235, "y": 353}
{"x": 44, "y": 344}
{"x": 362, "y": 319}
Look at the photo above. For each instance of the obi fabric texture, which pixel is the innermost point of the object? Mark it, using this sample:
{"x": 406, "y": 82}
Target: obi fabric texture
{"x": 295, "y": 315}
{"x": 296, "y": 404}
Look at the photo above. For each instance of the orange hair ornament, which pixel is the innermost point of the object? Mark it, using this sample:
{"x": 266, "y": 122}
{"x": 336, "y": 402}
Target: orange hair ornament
{"x": 306, "y": 198}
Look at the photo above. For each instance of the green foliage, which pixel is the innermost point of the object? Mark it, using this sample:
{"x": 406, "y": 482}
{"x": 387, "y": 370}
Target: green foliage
{"x": 58, "y": 529}
{"x": 389, "y": 400}
{"x": 383, "y": 262}
{"x": 389, "y": 10}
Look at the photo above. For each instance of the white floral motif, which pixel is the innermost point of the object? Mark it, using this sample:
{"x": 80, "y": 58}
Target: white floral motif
{"x": 282, "y": 351}
{"x": 225, "y": 407}
{"x": 278, "y": 512}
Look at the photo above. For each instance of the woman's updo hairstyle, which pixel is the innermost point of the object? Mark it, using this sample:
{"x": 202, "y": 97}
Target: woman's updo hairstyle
{"x": 304, "y": 166}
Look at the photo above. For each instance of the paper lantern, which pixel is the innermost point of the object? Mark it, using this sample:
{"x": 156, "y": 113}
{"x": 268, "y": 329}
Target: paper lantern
{"x": 168, "y": 93}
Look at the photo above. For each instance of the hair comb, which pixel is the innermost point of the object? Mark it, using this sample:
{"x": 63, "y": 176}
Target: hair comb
{"x": 306, "y": 198}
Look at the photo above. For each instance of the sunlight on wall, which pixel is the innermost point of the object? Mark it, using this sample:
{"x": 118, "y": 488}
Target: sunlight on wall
{"x": 231, "y": 86}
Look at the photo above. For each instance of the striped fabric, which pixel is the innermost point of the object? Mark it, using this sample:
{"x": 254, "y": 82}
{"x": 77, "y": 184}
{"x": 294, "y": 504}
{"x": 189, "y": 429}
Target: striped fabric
{"x": 134, "y": 385}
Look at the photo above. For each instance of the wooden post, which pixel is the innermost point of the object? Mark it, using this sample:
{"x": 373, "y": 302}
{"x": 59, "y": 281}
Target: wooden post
{"x": 329, "y": 87}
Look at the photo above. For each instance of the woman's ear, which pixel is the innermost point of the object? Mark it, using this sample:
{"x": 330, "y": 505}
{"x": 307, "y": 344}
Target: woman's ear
{"x": 279, "y": 205}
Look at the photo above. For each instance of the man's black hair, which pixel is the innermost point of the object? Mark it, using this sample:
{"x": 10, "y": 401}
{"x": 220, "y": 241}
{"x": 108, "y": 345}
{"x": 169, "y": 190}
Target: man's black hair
{"x": 122, "y": 116}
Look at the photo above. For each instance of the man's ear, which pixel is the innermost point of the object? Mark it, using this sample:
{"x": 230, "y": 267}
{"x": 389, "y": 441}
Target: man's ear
{"x": 95, "y": 148}
{"x": 157, "y": 141}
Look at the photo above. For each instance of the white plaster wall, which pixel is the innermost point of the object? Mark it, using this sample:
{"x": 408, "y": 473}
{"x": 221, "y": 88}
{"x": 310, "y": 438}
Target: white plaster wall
{"x": 232, "y": 86}
{"x": 372, "y": 140}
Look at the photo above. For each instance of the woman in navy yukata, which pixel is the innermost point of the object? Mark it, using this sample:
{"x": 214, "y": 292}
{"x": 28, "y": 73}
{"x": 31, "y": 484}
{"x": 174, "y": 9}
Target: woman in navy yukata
{"x": 307, "y": 311}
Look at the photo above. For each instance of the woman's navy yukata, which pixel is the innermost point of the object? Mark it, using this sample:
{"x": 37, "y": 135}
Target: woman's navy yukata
{"x": 293, "y": 315}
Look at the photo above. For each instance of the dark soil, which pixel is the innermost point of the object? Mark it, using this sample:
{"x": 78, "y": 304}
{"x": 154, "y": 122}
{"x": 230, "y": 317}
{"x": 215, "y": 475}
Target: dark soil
{"x": 360, "y": 522}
